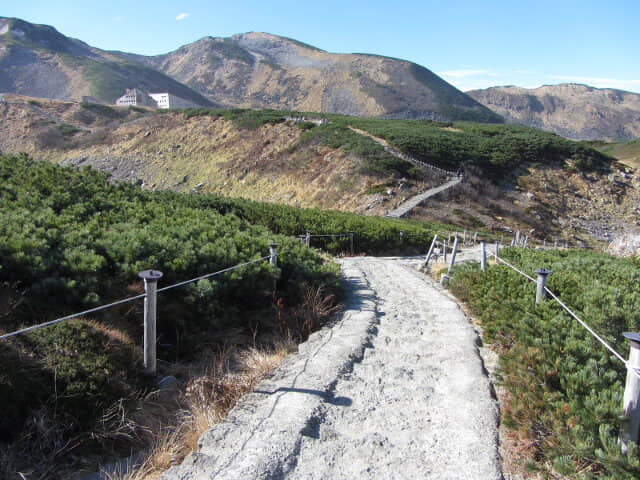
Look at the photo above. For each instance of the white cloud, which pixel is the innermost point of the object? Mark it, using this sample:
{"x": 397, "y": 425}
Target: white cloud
{"x": 599, "y": 82}
{"x": 182, "y": 16}
{"x": 463, "y": 73}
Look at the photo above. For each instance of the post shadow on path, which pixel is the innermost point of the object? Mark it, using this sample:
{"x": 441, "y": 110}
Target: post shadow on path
{"x": 360, "y": 298}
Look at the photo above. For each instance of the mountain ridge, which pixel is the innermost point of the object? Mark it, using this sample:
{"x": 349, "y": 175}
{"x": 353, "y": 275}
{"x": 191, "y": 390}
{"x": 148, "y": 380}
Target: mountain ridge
{"x": 248, "y": 70}
{"x": 572, "y": 110}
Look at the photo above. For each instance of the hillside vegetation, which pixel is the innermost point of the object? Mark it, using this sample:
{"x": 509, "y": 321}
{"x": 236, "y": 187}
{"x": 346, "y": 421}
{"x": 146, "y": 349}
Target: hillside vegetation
{"x": 496, "y": 148}
{"x": 626, "y": 152}
{"x": 564, "y": 389}
{"x": 518, "y": 177}
{"x": 74, "y": 240}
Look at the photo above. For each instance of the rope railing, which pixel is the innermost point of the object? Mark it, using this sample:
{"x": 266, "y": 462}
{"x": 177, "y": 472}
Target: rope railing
{"x": 513, "y": 267}
{"x": 130, "y": 299}
{"x": 202, "y": 277}
{"x": 75, "y": 315}
{"x": 589, "y": 329}
{"x": 326, "y": 235}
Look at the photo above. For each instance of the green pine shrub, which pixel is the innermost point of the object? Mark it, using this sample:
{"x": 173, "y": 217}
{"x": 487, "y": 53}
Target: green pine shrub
{"x": 565, "y": 388}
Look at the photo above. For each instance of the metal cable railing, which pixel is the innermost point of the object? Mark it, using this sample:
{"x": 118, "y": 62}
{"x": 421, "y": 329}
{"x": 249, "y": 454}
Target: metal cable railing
{"x": 575, "y": 316}
{"x": 69, "y": 317}
{"x": 131, "y": 299}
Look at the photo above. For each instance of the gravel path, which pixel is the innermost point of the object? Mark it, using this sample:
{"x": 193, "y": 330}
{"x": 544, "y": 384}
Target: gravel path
{"x": 394, "y": 389}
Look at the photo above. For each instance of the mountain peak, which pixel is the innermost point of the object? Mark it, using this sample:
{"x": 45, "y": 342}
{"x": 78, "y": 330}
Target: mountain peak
{"x": 14, "y": 31}
{"x": 248, "y": 70}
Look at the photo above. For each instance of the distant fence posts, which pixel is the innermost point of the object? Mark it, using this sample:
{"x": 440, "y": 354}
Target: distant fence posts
{"x": 542, "y": 280}
{"x": 150, "y": 278}
{"x": 453, "y": 255}
{"x": 631, "y": 401}
{"x": 483, "y": 255}
{"x": 431, "y": 248}
{"x": 307, "y": 238}
{"x": 273, "y": 261}
{"x": 401, "y": 236}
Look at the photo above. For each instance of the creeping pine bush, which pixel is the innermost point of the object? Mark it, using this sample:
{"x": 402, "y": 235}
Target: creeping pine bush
{"x": 73, "y": 240}
{"x": 565, "y": 388}
{"x": 496, "y": 148}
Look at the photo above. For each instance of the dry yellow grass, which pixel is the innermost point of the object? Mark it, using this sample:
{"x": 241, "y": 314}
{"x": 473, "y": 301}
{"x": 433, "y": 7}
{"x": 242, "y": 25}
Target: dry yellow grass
{"x": 206, "y": 399}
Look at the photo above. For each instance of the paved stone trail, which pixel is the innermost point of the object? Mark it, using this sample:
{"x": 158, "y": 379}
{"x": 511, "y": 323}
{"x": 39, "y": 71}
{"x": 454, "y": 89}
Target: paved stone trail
{"x": 416, "y": 200}
{"x": 395, "y": 389}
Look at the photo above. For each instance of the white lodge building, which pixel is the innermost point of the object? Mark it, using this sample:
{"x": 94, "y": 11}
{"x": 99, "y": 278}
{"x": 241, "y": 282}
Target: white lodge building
{"x": 168, "y": 100}
{"x": 137, "y": 97}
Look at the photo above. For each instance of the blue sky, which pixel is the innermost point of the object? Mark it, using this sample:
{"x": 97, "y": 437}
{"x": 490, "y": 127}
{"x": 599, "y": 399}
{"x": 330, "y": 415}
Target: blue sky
{"x": 471, "y": 44}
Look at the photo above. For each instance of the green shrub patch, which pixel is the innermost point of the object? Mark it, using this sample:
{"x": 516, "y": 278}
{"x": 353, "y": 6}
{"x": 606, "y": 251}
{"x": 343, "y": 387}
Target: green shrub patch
{"x": 565, "y": 388}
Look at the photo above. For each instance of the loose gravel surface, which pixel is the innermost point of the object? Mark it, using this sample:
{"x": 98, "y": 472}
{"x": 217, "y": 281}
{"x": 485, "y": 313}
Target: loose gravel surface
{"x": 395, "y": 389}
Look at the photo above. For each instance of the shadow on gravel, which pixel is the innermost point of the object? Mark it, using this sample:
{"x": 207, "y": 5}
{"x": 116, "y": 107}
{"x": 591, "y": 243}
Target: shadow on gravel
{"x": 326, "y": 396}
{"x": 358, "y": 293}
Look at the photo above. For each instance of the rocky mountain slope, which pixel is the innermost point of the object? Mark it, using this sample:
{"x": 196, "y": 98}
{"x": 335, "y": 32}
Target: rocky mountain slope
{"x": 272, "y": 162}
{"x": 39, "y": 61}
{"x": 256, "y": 70}
{"x": 574, "y": 111}
{"x": 259, "y": 70}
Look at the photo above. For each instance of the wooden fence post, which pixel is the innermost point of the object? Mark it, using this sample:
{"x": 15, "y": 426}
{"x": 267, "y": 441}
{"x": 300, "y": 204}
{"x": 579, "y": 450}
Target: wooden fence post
{"x": 307, "y": 238}
{"x": 150, "y": 278}
{"x": 483, "y": 254}
{"x": 464, "y": 238}
{"x": 631, "y": 401}
{"x": 475, "y": 238}
{"x": 453, "y": 255}
{"x": 273, "y": 252}
{"x": 273, "y": 260}
{"x": 497, "y": 248}
{"x": 433, "y": 244}
{"x": 542, "y": 280}
{"x": 444, "y": 250}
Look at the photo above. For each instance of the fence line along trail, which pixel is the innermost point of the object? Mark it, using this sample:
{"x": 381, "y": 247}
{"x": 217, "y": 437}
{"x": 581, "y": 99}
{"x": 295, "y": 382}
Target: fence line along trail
{"x": 395, "y": 389}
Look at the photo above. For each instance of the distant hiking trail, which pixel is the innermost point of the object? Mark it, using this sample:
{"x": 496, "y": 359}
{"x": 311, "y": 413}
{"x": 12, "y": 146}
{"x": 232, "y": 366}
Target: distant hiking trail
{"x": 416, "y": 200}
{"x": 394, "y": 389}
